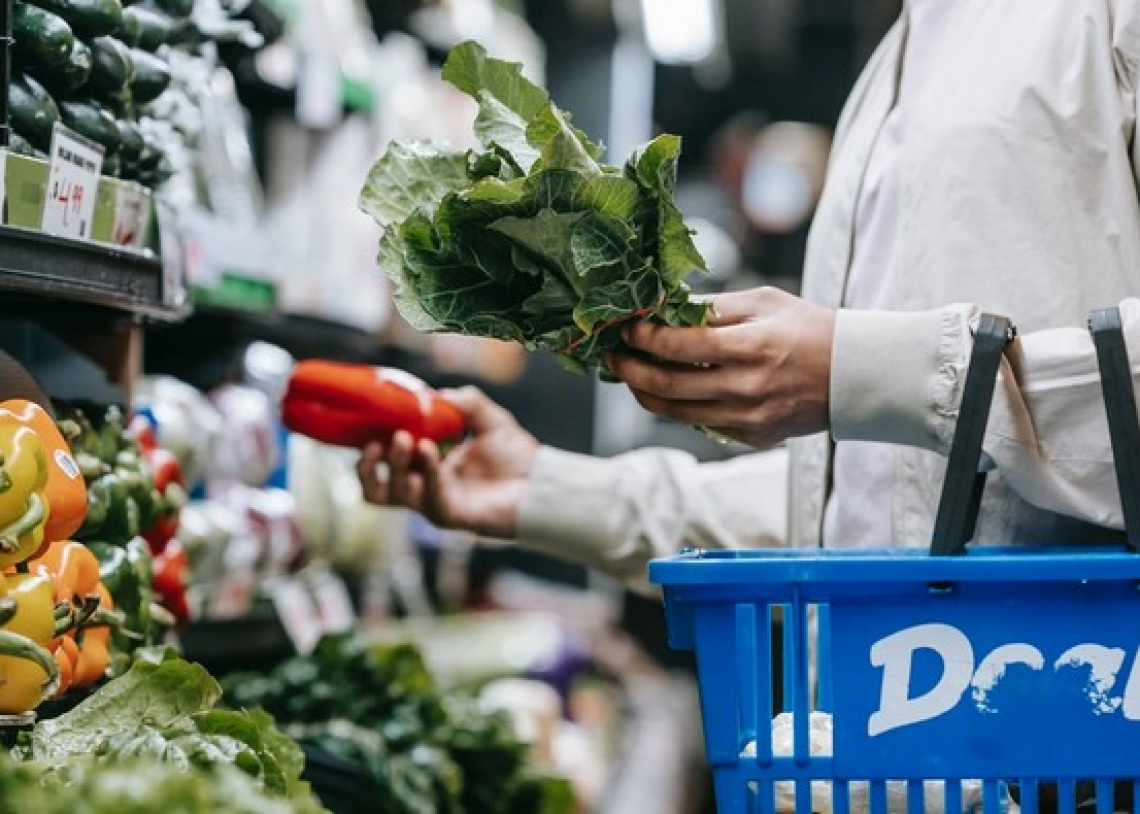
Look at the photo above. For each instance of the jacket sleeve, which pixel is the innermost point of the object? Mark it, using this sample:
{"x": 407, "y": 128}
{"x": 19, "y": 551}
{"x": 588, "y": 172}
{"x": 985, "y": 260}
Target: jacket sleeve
{"x": 615, "y": 514}
{"x": 897, "y": 378}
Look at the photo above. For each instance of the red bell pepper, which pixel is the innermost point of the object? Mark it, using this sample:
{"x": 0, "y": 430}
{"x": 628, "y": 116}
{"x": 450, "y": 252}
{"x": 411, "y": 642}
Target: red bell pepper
{"x": 351, "y": 405}
{"x": 170, "y": 568}
{"x": 166, "y": 472}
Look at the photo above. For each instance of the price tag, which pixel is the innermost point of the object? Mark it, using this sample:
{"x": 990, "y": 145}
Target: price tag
{"x": 333, "y": 602}
{"x": 233, "y": 596}
{"x": 73, "y": 181}
{"x": 297, "y": 611}
{"x": 132, "y": 216}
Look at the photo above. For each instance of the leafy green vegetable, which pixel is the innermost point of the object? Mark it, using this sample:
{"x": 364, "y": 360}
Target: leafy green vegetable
{"x": 416, "y": 750}
{"x": 163, "y": 710}
{"x": 137, "y": 787}
{"x": 532, "y": 238}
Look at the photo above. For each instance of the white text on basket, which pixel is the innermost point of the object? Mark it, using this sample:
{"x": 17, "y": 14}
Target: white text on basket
{"x": 962, "y": 671}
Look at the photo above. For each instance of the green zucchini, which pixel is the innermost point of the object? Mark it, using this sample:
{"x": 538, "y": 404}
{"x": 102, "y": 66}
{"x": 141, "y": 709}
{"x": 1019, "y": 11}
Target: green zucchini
{"x": 32, "y": 111}
{"x": 87, "y": 18}
{"x": 129, "y": 29}
{"x": 41, "y": 37}
{"x": 68, "y": 77}
{"x": 151, "y": 76}
{"x": 112, "y": 166}
{"x": 21, "y": 146}
{"x": 110, "y": 66}
{"x": 92, "y": 120}
{"x": 130, "y": 141}
{"x": 153, "y": 26}
{"x": 179, "y": 9}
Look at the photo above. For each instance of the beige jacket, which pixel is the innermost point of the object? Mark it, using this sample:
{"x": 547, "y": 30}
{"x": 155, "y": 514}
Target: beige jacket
{"x": 1019, "y": 196}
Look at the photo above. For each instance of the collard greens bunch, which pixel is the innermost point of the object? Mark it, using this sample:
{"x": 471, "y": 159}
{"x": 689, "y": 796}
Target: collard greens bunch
{"x": 531, "y": 238}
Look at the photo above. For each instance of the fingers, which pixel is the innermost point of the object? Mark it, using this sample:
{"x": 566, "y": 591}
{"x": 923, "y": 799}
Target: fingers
{"x": 396, "y": 474}
{"x": 674, "y": 382}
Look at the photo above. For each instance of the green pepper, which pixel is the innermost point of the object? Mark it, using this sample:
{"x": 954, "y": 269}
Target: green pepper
{"x": 122, "y": 520}
{"x": 98, "y": 500}
{"x": 140, "y": 488}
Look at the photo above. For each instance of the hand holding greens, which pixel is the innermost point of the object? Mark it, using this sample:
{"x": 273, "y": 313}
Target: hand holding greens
{"x": 532, "y": 238}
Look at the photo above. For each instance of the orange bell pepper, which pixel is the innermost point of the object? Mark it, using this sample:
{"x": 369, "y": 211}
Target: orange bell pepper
{"x": 74, "y": 573}
{"x": 66, "y": 655}
{"x": 72, "y": 569}
{"x": 65, "y": 490}
{"x": 94, "y": 645}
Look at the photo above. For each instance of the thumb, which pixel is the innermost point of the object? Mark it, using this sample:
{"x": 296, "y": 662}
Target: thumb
{"x": 483, "y": 415}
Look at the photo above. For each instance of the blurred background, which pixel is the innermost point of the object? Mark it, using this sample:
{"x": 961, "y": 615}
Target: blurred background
{"x": 271, "y": 121}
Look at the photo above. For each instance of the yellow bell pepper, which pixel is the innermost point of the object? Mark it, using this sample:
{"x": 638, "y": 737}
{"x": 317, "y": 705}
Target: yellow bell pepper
{"x": 23, "y": 476}
{"x": 28, "y": 672}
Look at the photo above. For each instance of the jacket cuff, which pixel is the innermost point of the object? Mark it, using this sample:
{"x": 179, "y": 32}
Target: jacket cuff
{"x": 895, "y": 376}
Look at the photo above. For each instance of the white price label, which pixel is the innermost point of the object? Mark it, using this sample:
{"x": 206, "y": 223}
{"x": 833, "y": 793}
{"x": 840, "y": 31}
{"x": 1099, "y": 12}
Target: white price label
{"x": 297, "y": 611}
{"x": 73, "y": 182}
{"x": 333, "y": 601}
{"x": 132, "y": 216}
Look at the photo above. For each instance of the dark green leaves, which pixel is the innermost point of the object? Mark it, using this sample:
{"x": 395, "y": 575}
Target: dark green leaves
{"x": 531, "y": 239}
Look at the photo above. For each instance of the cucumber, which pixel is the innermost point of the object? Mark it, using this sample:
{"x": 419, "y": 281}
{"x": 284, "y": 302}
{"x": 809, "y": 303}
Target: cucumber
{"x": 130, "y": 141}
{"x": 129, "y": 28}
{"x": 87, "y": 18}
{"x": 179, "y": 9}
{"x": 21, "y": 146}
{"x": 151, "y": 76}
{"x": 110, "y": 66}
{"x": 153, "y": 26}
{"x": 41, "y": 37}
{"x": 68, "y": 77}
{"x": 112, "y": 166}
{"x": 32, "y": 111}
{"x": 92, "y": 120}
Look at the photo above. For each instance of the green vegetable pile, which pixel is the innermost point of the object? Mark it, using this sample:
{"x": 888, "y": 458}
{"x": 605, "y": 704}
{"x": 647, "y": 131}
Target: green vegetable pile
{"x": 152, "y": 740}
{"x": 532, "y": 238}
{"x": 95, "y": 65}
{"x": 377, "y": 708}
{"x": 122, "y": 502}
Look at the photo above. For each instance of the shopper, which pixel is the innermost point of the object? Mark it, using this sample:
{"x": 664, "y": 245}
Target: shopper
{"x": 985, "y": 161}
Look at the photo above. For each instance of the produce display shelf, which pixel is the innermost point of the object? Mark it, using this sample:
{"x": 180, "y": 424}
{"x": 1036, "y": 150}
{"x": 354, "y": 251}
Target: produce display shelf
{"x": 300, "y": 334}
{"x": 35, "y": 263}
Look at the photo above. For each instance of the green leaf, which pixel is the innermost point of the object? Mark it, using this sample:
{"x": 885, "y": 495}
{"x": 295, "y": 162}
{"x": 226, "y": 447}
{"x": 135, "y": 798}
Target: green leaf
{"x": 546, "y": 235}
{"x": 155, "y": 695}
{"x": 533, "y": 240}
{"x": 409, "y": 178}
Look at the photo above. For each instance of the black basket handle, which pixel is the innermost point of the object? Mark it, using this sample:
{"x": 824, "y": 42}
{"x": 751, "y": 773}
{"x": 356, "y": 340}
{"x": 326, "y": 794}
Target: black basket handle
{"x": 962, "y": 487}
{"x": 1107, "y": 330}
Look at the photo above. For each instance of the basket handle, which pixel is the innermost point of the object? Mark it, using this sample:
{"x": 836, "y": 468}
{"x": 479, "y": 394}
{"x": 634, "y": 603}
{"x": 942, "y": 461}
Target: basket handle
{"x": 1107, "y": 330}
{"x": 962, "y": 487}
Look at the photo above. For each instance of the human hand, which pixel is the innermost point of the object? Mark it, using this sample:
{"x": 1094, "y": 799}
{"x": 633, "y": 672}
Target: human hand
{"x": 758, "y": 372}
{"x": 477, "y": 486}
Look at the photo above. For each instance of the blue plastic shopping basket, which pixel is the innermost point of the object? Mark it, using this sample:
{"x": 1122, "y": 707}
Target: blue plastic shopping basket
{"x": 911, "y": 681}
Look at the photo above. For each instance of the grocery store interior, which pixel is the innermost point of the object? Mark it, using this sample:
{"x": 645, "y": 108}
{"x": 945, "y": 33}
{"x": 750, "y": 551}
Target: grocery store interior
{"x": 192, "y": 230}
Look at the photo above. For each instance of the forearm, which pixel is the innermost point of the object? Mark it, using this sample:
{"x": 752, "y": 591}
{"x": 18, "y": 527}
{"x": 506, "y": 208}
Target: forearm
{"x": 897, "y": 378}
{"x": 616, "y": 514}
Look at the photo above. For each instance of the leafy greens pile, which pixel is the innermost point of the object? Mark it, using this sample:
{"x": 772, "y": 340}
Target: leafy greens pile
{"x": 416, "y": 749}
{"x": 160, "y": 720}
{"x": 532, "y": 238}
